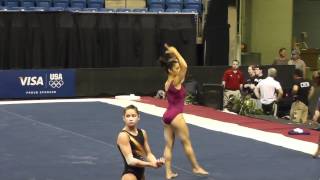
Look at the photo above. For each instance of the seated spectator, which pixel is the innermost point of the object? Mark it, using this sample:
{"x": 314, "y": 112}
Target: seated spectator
{"x": 283, "y": 57}
{"x": 232, "y": 82}
{"x": 302, "y": 91}
{"x": 299, "y": 63}
{"x": 269, "y": 91}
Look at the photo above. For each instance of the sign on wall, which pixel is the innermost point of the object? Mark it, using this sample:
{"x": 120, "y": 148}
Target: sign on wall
{"x": 37, "y": 83}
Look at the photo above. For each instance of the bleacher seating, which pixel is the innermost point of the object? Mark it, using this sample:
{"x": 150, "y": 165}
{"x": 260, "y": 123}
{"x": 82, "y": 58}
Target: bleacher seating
{"x": 173, "y": 10}
{"x": 174, "y": 4}
{"x": 61, "y": 3}
{"x": 153, "y": 6}
{"x": 9, "y": 8}
{"x": 90, "y": 9}
{"x": 3, "y": 8}
{"x": 157, "y": 10}
{"x": 78, "y": 4}
{"x": 44, "y": 3}
{"x": 27, "y": 3}
{"x": 11, "y": 3}
{"x": 95, "y": 4}
{"x": 189, "y": 11}
{"x": 74, "y": 9}
{"x": 115, "y": 4}
{"x": 123, "y": 10}
{"x": 38, "y": 9}
{"x": 140, "y": 10}
{"x": 193, "y": 4}
{"x": 56, "y": 9}
{"x": 109, "y": 10}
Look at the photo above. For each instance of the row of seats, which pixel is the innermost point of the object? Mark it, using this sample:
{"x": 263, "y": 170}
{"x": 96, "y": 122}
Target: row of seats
{"x": 177, "y": 5}
{"x": 75, "y": 9}
{"x": 53, "y": 3}
{"x": 153, "y": 5}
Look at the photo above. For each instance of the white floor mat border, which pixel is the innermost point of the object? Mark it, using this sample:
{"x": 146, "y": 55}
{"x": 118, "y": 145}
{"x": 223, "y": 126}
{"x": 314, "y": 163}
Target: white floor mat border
{"x": 211, "y": 124}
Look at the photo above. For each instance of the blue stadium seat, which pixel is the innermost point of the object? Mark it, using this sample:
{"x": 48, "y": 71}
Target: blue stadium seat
{"x": 55, "y": 9}
{"x": 73, "y": 9}
{"x": 43, "y": 3}
{"x": 193, "y": 4}
{"x": 2, "y": 8}
{"x": 11, "y": 3}
{"x": 154, "y": 4}
{"x": 37, "y": 9}
{"x": 157, "y": 10}
{"x": 174, "y": 4}
{"x": 123, "y": 10}
{"x": 78, "y": 3}
{"x": 61, "y": 3}
{"x": 190, "y": 11}
{"x": 95, "y": 3}
{"x": 108, "y": 10}
{"x": 90, "y": 9}
{"x": 140, "y": 10}
{"x": 27, "y": 3}
{"x": 173, "y": 10}
{"x": 16, "y": 8}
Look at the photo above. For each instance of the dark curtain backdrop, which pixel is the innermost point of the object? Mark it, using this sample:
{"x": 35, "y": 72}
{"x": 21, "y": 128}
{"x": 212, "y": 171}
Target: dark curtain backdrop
{"x": 216, "y": 33}
{"x": 92, "y": 40}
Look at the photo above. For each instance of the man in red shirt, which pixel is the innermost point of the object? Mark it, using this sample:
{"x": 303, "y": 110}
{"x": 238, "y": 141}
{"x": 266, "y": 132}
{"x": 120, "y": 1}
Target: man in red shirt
{"x": 232, "y": 82}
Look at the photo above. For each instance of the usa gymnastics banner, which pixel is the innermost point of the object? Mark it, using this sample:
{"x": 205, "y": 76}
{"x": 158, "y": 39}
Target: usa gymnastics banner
{"x": 37, "y": 83}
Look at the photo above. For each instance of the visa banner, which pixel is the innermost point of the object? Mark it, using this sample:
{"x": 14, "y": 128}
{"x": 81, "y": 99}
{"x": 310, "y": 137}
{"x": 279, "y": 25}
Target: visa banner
{"x": 37, "y": 83}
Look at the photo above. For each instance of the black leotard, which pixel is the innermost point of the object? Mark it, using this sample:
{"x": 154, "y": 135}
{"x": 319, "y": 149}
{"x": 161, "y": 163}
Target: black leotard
{"x": 137, "y": 148}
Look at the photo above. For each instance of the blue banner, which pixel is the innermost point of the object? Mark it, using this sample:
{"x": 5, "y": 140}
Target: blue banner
{"x": 37, "y": 83}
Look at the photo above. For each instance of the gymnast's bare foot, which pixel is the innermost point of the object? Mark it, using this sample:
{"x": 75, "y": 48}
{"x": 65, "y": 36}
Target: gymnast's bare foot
{"x": 171, "y": 175}
{"x": 200, "y": 171}
{"x": 316, "y": 155}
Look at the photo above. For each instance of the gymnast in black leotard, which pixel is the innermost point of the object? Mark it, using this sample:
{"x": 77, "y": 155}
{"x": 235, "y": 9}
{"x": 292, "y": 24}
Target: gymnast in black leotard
{"x": 134, "y": 147}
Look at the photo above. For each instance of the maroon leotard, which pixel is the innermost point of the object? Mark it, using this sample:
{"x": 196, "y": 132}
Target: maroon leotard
{"x": 175, "y": 103}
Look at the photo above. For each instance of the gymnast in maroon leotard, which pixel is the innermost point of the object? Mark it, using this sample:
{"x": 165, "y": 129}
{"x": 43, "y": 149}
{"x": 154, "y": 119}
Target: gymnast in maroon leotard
{"x": 176, "y": 101}
{"x": 174, "y": 123}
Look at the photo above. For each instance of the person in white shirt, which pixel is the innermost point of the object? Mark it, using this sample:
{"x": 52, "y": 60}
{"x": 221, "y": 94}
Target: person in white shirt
{"x": 269, "y": 91}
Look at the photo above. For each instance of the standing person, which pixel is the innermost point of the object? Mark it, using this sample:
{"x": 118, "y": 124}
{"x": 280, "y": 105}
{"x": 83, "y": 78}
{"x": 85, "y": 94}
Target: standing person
{"x": 269, "y": 92}
{"x": 173, "y": 120}
{"x": 134, "y": 147}
{"x": 258, "y": 74}
{"x": 302, "y": 91}
{"x": 249, "y": 84}
{"x": 282, "y": 59}
{"x": 232, "y": 81}
{"x": 257, "y": 78}
{"x": 295, "y": 60}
